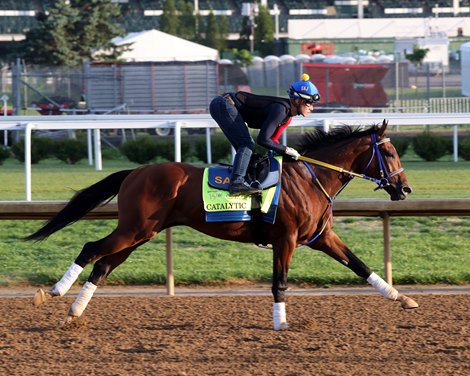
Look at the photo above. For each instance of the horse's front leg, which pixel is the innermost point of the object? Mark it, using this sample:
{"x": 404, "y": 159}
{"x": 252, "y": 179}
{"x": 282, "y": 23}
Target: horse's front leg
{"x": 331, "y": 244}
{"x": 282, "y": 256}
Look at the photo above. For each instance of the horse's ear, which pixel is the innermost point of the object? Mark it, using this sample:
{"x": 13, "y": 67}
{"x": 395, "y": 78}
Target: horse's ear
{"x": 382, "y": 129}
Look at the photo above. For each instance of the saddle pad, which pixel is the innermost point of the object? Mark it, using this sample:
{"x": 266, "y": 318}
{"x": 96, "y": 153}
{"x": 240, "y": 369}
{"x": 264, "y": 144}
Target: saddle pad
{"x": 220, "y": 200}
{"x": 220, "y": 206}
{"x": 219, "y": 176}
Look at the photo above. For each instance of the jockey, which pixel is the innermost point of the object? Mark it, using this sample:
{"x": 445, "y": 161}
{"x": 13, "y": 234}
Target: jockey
{"x": 236, "y": 112}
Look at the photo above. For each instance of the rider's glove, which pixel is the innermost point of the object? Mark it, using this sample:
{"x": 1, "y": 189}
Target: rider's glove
{"x": 292, "y": 153}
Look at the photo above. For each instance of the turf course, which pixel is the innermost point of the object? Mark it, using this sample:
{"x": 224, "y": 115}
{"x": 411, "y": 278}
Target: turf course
{"x": 424, "y": 249}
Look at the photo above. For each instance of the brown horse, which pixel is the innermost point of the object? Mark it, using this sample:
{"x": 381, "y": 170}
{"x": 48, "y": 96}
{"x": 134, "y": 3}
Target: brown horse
{"x": 154, "y": 197}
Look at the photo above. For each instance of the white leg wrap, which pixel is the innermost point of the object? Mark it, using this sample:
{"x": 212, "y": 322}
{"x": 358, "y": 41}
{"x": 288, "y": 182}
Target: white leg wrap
{"x": 83, "y": 298}
{"x": 66, "y": 282}
{"x": 279, "y": 316}
{"x": 383, "y": 287}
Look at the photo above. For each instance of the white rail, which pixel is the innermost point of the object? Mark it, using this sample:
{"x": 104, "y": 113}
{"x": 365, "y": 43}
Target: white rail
{"x": 94, "y": 123}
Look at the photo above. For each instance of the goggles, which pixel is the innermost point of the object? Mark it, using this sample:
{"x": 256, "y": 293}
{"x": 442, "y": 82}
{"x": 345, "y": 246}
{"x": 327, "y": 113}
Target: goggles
{"x": 306, "y": 97}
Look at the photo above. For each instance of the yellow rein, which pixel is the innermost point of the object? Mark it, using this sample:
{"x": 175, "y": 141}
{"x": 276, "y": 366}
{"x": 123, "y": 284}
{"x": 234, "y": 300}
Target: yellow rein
{"x": 329, "y": 166}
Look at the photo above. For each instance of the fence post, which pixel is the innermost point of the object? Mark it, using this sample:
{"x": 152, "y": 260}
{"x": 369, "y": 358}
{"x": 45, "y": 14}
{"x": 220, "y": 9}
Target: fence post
{"x": 27, "y": 159}
{"x": 208, "y": 145}
{"x": 456, "y": 143}
{"x": 89, "y": 139}
{"x": 177, "y": 141}
{"x": 387, "y": 251}
{"x": 16, "y": 86}
{"x": 170, "y": 279}
{"x": 97, "y": 147}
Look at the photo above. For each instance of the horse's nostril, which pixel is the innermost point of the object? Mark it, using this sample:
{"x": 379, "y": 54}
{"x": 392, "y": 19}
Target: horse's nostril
{"x": 407, "y": 190}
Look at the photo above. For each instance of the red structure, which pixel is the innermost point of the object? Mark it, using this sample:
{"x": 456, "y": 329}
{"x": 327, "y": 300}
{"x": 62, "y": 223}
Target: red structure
{"x": 349, "y": 85}
{"x": 319, "y": 47}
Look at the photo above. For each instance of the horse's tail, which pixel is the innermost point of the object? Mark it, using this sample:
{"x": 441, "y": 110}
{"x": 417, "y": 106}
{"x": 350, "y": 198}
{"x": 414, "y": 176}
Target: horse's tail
{"x": 81, "y": 203}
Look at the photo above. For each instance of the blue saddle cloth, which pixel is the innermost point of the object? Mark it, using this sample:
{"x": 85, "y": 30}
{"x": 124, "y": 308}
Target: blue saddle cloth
{"x": 226, "y": 208}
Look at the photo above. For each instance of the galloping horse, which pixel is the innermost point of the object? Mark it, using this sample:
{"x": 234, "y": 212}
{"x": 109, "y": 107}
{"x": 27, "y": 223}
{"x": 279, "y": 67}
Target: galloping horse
{"x": 154, "y": 197}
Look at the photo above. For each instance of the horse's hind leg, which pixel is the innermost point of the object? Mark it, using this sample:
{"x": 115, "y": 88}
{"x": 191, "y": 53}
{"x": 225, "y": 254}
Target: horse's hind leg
{"x": 100, "y": 272}
{"x": 71, "y": 275}
{"x": 115, "y": 242}
{"x": 61, "y": 287}
{"x": 331, "y": 244}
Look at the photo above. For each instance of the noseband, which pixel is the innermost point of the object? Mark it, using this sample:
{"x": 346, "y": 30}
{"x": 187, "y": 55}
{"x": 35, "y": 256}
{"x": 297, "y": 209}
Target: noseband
{"x": 385, "y": 176}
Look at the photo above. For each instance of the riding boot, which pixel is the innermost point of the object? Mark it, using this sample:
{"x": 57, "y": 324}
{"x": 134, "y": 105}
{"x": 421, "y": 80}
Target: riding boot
{"x": 238, "y": 185}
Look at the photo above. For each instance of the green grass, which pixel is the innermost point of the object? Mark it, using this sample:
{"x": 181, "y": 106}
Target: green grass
{"x": 52, "y": 179}
{"x": 425, "y": 249}
{"x": 422, "y": 92}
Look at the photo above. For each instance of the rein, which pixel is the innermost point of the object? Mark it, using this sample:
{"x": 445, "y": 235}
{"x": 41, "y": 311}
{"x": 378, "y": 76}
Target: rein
{"x": 381, "y": 183}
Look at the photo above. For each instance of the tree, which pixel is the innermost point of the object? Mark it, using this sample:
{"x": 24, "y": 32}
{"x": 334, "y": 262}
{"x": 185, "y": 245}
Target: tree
{"x": 216, "y": 31}
{"x": 211, "y": 38}
{"x": 95, "y": 29}
{"x": 245, "y": 33}
{"x": 169, "y": 22}
{"x": 187, "y": 21}
{"x": 73, "y": 31}
{"x": 52, "y": 41}
{"x": 223, "y": 33}
{"x": 418, "y": 55}
{"x": 242, "y": 57}
{"x": 264, "y": 32}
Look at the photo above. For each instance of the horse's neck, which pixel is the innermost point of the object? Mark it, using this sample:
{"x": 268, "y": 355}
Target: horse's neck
{"x": 343, "y": 155}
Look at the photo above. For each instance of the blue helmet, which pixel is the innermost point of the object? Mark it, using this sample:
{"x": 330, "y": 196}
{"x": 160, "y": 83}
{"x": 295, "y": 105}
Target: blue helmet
{"x": 305, "y": 90}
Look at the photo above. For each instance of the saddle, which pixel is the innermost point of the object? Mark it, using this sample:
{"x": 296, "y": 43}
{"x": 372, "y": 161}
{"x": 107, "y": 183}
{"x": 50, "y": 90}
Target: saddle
{"x": 220, "y": 206}
{"x": 263, "y": 170}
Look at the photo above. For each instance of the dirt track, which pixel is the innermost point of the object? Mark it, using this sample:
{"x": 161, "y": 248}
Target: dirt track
{"x": 232, "y": 335}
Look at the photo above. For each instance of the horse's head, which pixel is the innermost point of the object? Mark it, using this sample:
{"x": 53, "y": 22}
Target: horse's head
{"x": 367, "y": 153}
{"x": 382, "y": 163}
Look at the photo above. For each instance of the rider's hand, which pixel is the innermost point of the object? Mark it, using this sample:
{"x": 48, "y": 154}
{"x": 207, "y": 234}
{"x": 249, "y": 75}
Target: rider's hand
{"x": 292, "y": 153}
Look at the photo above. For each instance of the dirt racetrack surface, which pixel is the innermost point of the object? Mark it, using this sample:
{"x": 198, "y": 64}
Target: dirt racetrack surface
{"x": 232, "y": 335}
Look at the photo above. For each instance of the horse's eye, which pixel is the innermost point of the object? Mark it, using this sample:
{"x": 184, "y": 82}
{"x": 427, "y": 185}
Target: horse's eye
{"x": 388, "y": 154}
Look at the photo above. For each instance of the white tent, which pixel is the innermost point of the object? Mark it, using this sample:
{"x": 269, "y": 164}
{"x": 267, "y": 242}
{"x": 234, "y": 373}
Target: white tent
{"x": 465, "y": 63}
{"x": 154, "y": 45}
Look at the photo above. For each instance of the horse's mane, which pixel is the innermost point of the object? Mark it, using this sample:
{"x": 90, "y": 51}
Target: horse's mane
{"x": 318, "y": 138}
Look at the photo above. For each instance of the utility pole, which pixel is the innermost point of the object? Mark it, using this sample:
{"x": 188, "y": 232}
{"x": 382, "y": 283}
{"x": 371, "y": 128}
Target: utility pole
{"x": 196, "y": 13}
{"x": 250, "y": 10}
{"x": 360, "y": 9}
{"x": 252, "y": 28}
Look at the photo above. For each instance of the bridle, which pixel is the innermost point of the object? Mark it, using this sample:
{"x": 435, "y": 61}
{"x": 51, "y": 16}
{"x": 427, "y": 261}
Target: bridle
{"x": 382, "y": 182}
{"x": 385, "y": 176}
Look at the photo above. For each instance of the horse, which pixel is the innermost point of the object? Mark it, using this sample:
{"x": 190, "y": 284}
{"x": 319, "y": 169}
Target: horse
{"x": 154, "y": 197}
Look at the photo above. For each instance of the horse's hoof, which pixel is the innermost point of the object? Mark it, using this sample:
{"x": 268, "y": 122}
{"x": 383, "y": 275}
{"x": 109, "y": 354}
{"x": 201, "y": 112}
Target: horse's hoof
{"x": 408, "y": 303}
{"x": 281, "y": 326}
{"x": 41, "y": 297}
{"x": 68, "y": 320}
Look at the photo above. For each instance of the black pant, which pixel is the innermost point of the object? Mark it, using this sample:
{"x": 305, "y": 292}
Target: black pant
{"x": 236, "y": 131}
